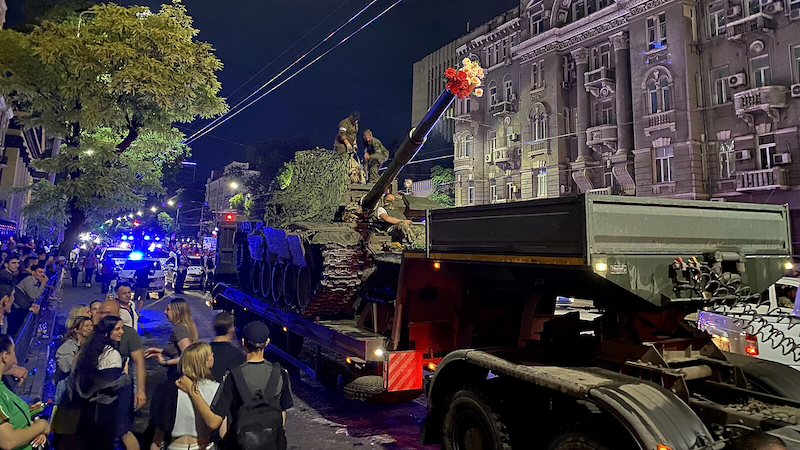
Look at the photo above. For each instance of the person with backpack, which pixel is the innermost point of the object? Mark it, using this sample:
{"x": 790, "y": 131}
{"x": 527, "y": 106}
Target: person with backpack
{"x": 255, "y": 396}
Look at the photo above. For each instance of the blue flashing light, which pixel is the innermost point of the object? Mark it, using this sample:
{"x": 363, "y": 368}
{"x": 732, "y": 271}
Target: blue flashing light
{"x": 124, "y": 237}
{"x": 158, "y": 238}
{"x": 136, "y": 256}
{"x": 146, "y": 237}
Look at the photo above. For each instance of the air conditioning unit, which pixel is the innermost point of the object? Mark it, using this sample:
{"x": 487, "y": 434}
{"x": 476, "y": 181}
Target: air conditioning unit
{"x": 736, "y": 80}
{"x": 512, "y": 97}
{"x": 488, "y": 158}
{"x": 781, "y": 158}
{"x": 742, "y": 155}
{"x": 796, "y": 87}
{"x": 773, "y": 8}
{"x": 514, "y": 136}
{"x": 566, "y": 85}
{"x": 565, "y": 189}
{"x": 794, "y": 14}
{"x": 733, "y": 11}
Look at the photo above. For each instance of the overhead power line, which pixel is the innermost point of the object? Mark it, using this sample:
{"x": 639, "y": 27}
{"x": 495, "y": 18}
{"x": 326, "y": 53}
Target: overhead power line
{"x": 234, "y": 111}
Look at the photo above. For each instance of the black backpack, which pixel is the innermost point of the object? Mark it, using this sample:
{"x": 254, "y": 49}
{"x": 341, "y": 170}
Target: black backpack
{"x": 259, "y": 419}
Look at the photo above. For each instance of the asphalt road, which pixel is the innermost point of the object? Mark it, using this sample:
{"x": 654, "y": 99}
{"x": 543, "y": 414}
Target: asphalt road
{"x": 322, "y": 419}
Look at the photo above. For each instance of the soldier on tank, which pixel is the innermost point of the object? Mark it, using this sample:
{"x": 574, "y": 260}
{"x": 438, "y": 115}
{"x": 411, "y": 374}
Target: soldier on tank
{"x": 399, "y": 229}
{"x": 348, "y": 133}
{"x": 375, "y": 154}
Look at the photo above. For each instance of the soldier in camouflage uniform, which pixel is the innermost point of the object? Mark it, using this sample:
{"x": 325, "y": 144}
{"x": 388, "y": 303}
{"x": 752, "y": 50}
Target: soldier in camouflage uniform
{"x": 399, "y": 229}
{"x": 348, "y": 133}
{"x": 375, "y": 154}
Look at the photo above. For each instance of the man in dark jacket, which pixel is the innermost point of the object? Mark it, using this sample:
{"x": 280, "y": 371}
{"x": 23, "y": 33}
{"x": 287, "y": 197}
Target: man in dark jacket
{"x": 348, "y": 133}
{"x": 375, "y": 154}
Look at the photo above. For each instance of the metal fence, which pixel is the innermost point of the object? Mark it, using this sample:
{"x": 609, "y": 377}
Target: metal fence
{"x": 27, "y": 332}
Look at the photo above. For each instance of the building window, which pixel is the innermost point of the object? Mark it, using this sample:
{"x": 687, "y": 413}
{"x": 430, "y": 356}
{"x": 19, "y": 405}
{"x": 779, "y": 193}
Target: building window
{"x": 471, "y": 195}
{"x": 540, "y": 180}
{"x": 566, "y": 120}
{"x": 491, "y": 136}
{"x": 766, "y": 150}
{"x": 537, "y": 75}
{"x": 759, "y": 71}
{"x": 753, "y": 7}
{"x": 493, "y": 192}
{"x": 664, "y": 164}
{"x": 794, "y": 4}
{"x": 492, "y": 93}
{"x": 603, "y": 114}
{"x": 716, "y": 19}
{"x": 497, "y": 59}
{"x": 508, "y": 87}
{"x": 722, "y": 90}
{"x": 579, "y": 10}
{"x": 505, "y": 49}
{"x": 468, "y": 146}
{"x": 727, "y": 160}
{"x": 537, "y": 24}
{"x": 509, "y": 190}
{"x": 538, "y": 119}
{"x": 796, "y": 61}
{"x": 489, "y": 58}
{"x": 657, "y": 31}
{"x": 601, "y": 57}
{"x": 659, "y": 92}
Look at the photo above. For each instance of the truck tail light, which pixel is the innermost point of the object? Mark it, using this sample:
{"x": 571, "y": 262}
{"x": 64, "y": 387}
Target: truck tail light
{"x": 752, "y": 345}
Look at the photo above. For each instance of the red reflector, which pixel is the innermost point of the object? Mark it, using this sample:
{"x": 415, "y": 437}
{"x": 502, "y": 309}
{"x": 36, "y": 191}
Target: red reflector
{"x": 752, "y": 345}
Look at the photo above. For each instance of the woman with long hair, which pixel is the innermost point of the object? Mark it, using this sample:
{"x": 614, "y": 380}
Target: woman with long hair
{"x": 178, "y": 421}
{"x": 77, "y": 310}
{"x": 17, "y": 430}
{"x": 94, "y": 383}
{"x": 184, "y": 333}
{"x": 67, "y": 352}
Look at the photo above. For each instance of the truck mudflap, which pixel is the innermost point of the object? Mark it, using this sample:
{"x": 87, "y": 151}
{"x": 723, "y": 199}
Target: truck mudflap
{"x": 655, "y": 417}
{"x": 403, "y": 371}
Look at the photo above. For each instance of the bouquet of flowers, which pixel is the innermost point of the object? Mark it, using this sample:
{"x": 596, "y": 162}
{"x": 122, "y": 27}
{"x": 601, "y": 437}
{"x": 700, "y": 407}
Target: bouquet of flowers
{"x": 465, "y": 81}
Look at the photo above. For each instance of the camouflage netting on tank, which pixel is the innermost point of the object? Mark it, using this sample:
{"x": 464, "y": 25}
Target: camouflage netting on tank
{"x": 319, "y": 180}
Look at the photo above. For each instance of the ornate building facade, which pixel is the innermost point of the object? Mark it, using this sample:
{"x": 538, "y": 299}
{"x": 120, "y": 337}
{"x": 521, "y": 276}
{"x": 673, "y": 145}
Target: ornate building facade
{"x": 666, "y": 98}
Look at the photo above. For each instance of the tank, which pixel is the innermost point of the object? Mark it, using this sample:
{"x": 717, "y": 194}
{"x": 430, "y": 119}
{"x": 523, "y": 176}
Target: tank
{"x": 317, "y": 250}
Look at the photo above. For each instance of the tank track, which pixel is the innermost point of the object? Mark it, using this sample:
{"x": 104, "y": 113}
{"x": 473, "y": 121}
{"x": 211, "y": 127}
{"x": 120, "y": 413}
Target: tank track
{"x": 340, "y": 280}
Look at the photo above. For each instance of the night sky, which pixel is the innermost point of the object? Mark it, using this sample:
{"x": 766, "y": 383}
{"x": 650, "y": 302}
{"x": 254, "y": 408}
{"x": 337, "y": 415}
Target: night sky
{"x": 371, "y": 73}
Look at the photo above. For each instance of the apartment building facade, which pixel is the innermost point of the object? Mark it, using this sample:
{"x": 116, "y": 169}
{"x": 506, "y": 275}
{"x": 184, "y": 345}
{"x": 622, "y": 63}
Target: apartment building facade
{"x": 665, "y": 98}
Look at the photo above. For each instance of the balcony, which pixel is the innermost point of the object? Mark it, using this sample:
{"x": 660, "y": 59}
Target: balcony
{"x": 538, "y": 148}
{"x": 462, "y": 163}
{"x": 506, "y": 158}
{"x": 599, "y": 191}
{"x": 767, "y": 99}
{"x": 602, "y": 135}
{"x": 504, "y": 108}
{"x": 660, "y": 121}
{"x": 758, "y": 180}
{"x": 600, "y": 83}
{"x": 756, "y": 22}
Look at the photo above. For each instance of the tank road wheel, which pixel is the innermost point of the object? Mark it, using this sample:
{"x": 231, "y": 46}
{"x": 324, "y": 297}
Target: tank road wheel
{"x": 266, "y": 279}
{"x": 255, "y": 277}
{"x": 240, "y": 254}
{"x": 472, "y": 423}
{"x": 290, "y": 285}
{"x": 277, "y": 282}
{"x": 364, "y": 388}
{"x": 304, "y": 288}
{"x": 243, "y": 269}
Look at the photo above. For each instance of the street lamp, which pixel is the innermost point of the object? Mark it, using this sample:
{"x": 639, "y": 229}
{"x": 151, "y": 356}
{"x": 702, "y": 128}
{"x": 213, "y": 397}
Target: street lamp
{"x": 153, "y": 209}
{"x": 171, "y": 202}
{"x": 234, "y": 185}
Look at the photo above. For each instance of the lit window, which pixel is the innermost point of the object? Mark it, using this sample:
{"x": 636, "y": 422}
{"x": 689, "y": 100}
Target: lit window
{"x": 664, "y": 164}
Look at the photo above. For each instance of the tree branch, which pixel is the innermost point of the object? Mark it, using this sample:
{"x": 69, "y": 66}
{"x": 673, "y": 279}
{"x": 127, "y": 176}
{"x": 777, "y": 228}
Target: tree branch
{"x": 133, "y": 133}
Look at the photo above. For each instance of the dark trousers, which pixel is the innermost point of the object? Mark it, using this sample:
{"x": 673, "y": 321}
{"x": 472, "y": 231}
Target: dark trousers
{"x": 209, "y": 281}
{"x": 179, "y": 280}
{"x": 87, "y": 274}
{"x": 74, "y": 272}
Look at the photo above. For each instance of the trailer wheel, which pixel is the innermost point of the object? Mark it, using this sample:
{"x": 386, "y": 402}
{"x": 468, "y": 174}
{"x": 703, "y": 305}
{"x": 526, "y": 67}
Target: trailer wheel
{"x": 578, "y": 437}
{"x": 364, "y": 388}
{"x": 473, "y": 423}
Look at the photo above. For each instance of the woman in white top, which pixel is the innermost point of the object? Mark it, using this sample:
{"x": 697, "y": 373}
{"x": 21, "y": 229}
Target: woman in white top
{"x": 187, "y": 433}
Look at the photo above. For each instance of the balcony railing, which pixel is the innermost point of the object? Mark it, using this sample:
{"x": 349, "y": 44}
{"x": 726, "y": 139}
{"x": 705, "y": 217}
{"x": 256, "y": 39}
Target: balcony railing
{"x": 506, "y": 158}
{"x": 538, "y": 148}
{"x": 599, "y": 191}
{"x": 755, "y": 22}
{"x": 774, "y": 178}
{"x": 601, "y": 135}
{"x": 462, "y": 163}
{"x": 506, "y": 107}
{"x": 660, "y": 121}
{"x": 763, "y": 98}
{"x": 602, "y": 73}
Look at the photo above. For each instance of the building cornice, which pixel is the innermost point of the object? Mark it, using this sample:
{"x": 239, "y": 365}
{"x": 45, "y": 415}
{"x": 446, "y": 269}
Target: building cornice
{"x": 500, "y": 32}
{"x": 573, "y": 34}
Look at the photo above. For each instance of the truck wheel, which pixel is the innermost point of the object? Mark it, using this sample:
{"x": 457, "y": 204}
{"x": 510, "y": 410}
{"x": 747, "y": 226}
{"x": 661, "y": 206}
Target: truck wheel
{"x": 364, "y": 388}
{"x": 768, "y": 376}
{"x": 472, "y": 423}
{"x": 579, "y": 437}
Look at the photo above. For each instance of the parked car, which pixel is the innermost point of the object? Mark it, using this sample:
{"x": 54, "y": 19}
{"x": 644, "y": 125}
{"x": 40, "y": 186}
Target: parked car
{"x": 161, "y": 255}
{"x": 118, "y": 255}
{"x": 764, "y": 328}
{"x": 156, "y": 275}
{"x": 194, "y": 274}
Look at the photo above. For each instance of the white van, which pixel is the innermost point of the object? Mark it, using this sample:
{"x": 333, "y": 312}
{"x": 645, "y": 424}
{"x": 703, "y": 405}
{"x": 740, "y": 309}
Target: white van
{"x": 768, "y": 327}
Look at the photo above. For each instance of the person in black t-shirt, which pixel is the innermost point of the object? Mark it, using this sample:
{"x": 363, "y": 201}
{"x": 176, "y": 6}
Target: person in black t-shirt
{"x": 226, "y": 355}
{"x": 256, "y": 372}
{"x": 142, "y": 276}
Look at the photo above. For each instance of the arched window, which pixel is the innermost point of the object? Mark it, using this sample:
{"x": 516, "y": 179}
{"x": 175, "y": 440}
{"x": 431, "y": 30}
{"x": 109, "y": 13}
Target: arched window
{"x": 467, "y": 142}
{"x": 508, "y": 88}
{"x": 538, "y": 120}
{"x": 493, "y": 100}
{"x": 658, "y": 89}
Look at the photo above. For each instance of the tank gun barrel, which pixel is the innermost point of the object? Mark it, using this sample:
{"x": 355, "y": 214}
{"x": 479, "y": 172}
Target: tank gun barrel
{"x": 408, "y": 149}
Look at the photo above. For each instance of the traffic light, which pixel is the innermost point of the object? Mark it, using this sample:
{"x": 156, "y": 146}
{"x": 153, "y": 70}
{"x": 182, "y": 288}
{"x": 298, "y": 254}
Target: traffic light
{"x": 230, "y": 217}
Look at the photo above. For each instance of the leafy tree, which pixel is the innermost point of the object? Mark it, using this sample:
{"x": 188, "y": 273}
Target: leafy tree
{"x": 111, "y": 92}
{"x": 443, "y": 182}
{"x": 167, "y": 223}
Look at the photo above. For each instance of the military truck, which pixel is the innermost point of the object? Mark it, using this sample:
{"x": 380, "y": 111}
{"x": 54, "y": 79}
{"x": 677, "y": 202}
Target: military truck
{"x": 470, "y": 317}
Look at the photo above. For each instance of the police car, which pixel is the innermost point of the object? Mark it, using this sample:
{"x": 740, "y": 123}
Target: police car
{"x": 155, "y": 277}
{"x": 194, "y": 274}
{"x": 118, "y": 254}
